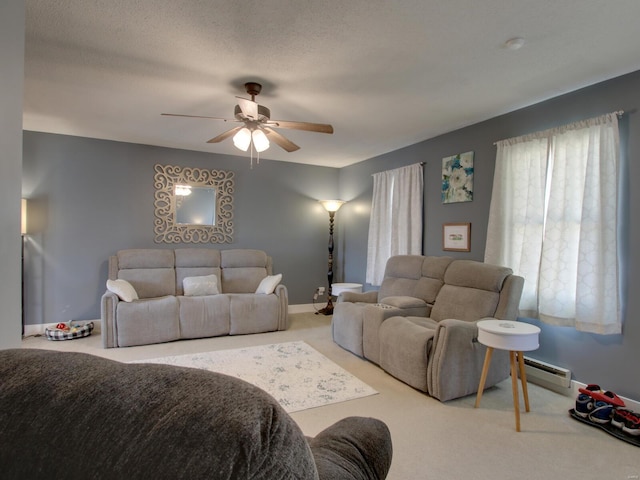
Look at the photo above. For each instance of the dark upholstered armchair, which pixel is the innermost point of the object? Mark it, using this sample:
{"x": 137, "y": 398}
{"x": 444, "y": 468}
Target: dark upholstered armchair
{"x": 77, "y": 416}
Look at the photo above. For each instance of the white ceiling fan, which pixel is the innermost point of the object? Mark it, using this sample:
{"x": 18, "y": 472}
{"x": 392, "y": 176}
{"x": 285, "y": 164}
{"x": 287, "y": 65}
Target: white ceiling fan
{"x": 257, "y": 128}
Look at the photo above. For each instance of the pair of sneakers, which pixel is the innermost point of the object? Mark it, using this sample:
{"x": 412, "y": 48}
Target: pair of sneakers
{"x": 627, "y": 420}
{"x": 605, "y": 407}
{"x": 595, "y": 405}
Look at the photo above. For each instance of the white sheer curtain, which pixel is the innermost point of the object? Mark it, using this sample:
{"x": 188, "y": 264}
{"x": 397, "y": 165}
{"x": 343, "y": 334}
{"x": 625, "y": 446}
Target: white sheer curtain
{"x": 395, "y": 227}
{"x": 553, "y": 220}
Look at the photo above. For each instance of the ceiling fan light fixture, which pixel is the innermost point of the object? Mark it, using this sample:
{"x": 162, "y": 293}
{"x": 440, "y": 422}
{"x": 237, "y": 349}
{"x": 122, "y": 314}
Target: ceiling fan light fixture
{"x": 242, "y": 139}
{"x": 258, "y": 131}
{"x": 260, "y": 140}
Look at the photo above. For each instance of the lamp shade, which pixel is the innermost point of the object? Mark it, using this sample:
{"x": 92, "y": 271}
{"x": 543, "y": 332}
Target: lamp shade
{"x": 260, "y": 140}
{"x": 242, "y": 139}
{"x": 332, "y": 205}
{"x": 23, "y": 218}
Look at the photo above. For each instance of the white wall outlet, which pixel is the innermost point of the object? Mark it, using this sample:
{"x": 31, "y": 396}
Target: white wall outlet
{"x": 320, "y": 290}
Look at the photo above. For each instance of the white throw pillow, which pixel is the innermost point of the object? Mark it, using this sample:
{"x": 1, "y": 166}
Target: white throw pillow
{"x": 123, "y": 289}
{"x": 269, "y": 284}
{"x": 198, "y": 286}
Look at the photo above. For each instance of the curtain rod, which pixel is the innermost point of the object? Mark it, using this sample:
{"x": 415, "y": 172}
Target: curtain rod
{"x": 619, "y": 113}
{"x": 419, "y": 163}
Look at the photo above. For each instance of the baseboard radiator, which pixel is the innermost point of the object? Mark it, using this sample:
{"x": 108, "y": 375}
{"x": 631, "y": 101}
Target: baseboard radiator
{"x": 549, "y": 376}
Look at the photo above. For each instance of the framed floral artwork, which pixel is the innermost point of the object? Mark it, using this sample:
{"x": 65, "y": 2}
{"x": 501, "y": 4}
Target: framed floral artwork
{"x": 456, "y": 237}
{"x": 457, "y": 178}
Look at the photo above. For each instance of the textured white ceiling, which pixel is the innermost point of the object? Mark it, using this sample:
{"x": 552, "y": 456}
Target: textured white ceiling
{"x": 384, "y": 73}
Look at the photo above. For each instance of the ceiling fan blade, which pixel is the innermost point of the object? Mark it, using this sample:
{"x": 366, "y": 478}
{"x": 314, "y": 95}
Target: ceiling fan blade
{"x": 248, "y": 107}
{"x": 309, "y": 127}
{"x": 197, "y": 116}
{"x": 281, "y": 141}
{"x": 225, "y": 135}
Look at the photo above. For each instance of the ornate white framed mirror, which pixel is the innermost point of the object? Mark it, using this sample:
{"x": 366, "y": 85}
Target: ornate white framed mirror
{"x": 193, "y": 205}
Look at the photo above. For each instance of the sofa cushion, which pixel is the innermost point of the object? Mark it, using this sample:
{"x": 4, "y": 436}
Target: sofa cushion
{"x": 150, "y": 271}
{"x": 145, "y": 258}
{"x": 472, "y": 274}
{"x": 243, "y": 270}
{"x": 123, "y": 289}
{"x": 403, "y": 302}
{"x": 251, "y": 313}
{"x": 464, "y": 303}
{"x": 433, "y": 270}
{"x": 198, "y": 286}
{"x": 152, "y": 320}
{"x": 404, "y": 349}
{"x": 471, "y": 290}
{"x": 197, "y": 257}
{"x": 206, "y": 316}
{"x": 196, "y": 262}
{"x": 268, "y": 284}
{"x": 414, "y": 276}
{"x": 151, "y": 282}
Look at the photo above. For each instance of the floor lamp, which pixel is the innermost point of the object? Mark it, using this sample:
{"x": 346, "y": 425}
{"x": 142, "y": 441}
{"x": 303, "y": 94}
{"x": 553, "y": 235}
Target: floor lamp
{"x": 332, "y": 206}
{"x": 23, "y": 232}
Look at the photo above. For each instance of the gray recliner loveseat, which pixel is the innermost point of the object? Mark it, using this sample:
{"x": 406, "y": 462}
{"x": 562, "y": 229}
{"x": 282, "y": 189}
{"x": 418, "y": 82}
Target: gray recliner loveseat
{"x": 162, "y": 312}
{"x": 420, "y": 326}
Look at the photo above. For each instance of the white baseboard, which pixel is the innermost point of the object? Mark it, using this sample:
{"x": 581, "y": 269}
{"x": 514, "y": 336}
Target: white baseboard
{"x": 304, "y": 308}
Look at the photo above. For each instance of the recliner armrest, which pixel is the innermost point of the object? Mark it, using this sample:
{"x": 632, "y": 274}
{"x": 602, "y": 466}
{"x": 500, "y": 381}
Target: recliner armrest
{"x": 108, "y": 308}
{"x": 282, "y": 293}
{"x": 456, "y": 360}
{"x": 363, "y": 297}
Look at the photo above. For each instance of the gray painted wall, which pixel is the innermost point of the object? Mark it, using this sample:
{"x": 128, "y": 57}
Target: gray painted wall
{"x": 90, "y": 198}
{"x": 12, "y": 26}
{"x": 611, "y": 361}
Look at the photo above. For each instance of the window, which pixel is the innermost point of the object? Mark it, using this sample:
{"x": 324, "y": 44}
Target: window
{"x": 553, "y": 220}
{"x": 395, "y": 226}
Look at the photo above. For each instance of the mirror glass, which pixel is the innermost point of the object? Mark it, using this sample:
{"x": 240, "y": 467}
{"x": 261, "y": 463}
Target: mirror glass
{"x": 195, "y": 205}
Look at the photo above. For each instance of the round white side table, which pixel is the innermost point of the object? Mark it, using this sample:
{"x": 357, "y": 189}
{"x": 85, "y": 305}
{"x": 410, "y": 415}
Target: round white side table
{"x": 338, "y": 288}
{"x": 516, "y": 337}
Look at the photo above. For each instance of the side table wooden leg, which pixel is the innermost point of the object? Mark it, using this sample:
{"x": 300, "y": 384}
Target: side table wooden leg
{"x": 514, "y": 385}
{"x": 483, "y": 376}
{"x": 523, "y": 380}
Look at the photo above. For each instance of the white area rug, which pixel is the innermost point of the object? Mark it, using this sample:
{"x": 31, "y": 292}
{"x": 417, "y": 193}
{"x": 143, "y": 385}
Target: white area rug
{"x": 295, "y": 374}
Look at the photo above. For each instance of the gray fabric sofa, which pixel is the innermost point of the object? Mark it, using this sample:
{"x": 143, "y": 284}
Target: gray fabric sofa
{"x": 78, "y": 416}
{"x": 162, "y": 313}
{"x": 420, "y": 326}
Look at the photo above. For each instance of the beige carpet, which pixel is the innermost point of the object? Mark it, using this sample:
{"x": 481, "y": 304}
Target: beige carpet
{"x": 431, "y": 440}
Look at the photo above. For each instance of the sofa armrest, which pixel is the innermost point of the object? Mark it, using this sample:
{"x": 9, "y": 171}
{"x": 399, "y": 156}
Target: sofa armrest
{"x": 363, "y": 297}
{"x": 283, "y": 297}
{"x": 456, "y": 359}
{"x": 353, "y": 448}
{"x": 108, "y": 329}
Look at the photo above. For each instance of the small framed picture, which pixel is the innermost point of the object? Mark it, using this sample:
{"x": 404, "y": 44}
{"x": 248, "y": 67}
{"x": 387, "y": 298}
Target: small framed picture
{"x": 456, "y": 237}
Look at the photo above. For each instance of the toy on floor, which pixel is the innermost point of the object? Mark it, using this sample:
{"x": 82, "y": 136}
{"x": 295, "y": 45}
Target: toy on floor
{"x": 63, "y": 331}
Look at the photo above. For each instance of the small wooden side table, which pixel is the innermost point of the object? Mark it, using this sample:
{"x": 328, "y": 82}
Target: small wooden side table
{"x": 516, "y": 337}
